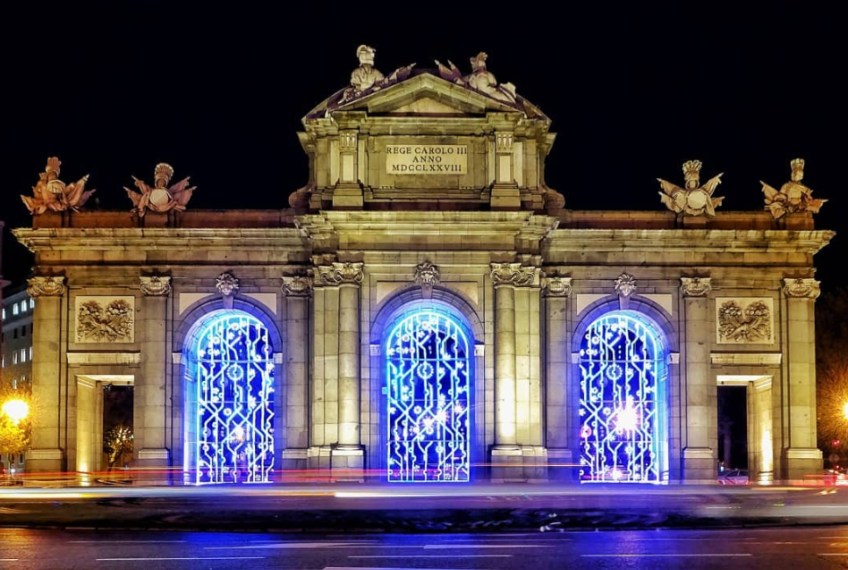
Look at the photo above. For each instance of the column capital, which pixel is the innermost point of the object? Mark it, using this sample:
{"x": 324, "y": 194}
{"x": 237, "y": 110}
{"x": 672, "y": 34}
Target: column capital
{"x": 46, "y": 286}
{"x": 155, "y": 285}
{"x": 696, "y": 286}
{"x": 340, "y": 273}
{"x": 801, "y": 288}
{"x": 514, "y": 274}
{"x": 297, "y": 285}
{"x": 556, "y": 286}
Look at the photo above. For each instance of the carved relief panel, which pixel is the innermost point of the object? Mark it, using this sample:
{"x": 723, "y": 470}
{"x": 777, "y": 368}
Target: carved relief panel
{"x": 105, "y": 318}
{"x": 744, "y": 320}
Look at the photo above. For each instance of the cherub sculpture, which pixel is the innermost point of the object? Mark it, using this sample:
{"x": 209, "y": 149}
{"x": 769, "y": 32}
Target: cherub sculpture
{"x": 52, "y": 194}
{"x": 793, "y": 197}
{"x": 694, "y": 199}
{"x": 480, "y": 78}
{"x": 160, "y": 198}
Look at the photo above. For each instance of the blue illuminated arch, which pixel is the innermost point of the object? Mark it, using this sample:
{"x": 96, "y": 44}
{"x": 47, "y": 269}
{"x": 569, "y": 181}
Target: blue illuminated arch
{"x": 229, "y": 433}
{"x": 428, "y": 367}
{"x": 623, "y": 401}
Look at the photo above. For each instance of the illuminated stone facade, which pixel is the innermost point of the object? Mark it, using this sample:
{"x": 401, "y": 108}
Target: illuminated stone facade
{"x": 429, "y": 310}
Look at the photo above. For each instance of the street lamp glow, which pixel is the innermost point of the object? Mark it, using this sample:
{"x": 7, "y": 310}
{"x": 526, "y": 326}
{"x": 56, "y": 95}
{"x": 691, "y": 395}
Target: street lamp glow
{"x": 17, "y": 410}
{"x": 845, "y": 410}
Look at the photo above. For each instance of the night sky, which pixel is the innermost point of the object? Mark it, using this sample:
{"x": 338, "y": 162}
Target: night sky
{"x": 218, "y": 91}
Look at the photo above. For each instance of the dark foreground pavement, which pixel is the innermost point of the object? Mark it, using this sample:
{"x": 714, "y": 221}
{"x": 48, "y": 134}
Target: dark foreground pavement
{"x": 416, "y": 508}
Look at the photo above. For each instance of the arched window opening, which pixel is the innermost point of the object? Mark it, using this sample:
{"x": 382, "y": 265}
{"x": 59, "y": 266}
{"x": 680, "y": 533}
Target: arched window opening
{"x": 623, "y": 405}
{"x": 230, "y": 401}
{"x": 428, "y": 372}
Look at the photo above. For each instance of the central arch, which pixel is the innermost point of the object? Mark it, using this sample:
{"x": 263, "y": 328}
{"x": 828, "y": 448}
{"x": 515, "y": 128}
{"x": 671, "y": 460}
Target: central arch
{"x": 428, "y": 371}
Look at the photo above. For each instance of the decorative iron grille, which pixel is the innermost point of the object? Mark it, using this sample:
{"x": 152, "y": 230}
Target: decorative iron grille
{"x": 428, "y": 370}
{"x": 235, "y": 401}
{"x": 622, "y": 402}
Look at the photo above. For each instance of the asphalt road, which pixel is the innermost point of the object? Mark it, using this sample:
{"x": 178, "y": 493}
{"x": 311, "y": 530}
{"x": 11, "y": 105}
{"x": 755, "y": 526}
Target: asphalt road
{"x": 321, "y": 508}
{"x": 808, "y": 548}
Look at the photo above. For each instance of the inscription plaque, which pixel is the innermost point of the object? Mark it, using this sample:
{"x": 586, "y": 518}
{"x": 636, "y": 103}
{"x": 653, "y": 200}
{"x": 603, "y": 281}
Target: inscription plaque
{"x": 427, "y": 159}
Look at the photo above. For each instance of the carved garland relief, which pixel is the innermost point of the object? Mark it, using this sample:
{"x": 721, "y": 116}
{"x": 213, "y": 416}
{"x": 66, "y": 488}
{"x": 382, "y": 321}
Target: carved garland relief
{"x": 105, "y": 319}
{"x": 744, "y": 320}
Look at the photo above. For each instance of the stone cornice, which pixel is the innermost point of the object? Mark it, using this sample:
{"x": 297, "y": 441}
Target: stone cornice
{"x": 656, "y": 240}
{"x": 47, "y": 239}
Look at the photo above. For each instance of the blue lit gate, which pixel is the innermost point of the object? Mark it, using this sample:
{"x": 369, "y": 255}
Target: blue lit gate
{"x": 229, "y": 435}
{"x": 428, "y": 371}
{"x": 623, "y": 432}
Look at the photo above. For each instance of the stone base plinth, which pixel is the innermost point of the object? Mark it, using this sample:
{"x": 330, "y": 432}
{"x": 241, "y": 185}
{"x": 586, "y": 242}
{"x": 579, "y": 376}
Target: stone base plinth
{"x": 519, "y": 464}
{"x": 152, "y": 467}
{"x": 347, "y": 197}
{"x": 45, "y": 461}
{"x": 800, "y": 464}
{"x": 562, "y": 466}
{"x": 348, "y": 463}
{"x": 699, "y": 465}
{"x": 505, "y": 198}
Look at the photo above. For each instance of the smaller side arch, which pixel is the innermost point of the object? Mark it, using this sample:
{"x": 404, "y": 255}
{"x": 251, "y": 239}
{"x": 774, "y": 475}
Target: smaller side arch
{"x": 622, "y": 403}
{"x": 230, "y": 393}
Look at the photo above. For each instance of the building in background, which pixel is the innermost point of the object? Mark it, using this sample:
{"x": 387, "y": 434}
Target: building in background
{"x": 426, "y": 308}
{"x": 16, "y": 309}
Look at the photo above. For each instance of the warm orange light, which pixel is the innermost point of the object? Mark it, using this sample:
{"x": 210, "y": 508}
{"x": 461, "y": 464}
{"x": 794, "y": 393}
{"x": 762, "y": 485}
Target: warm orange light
{"x": 17, "y": 410}
{"x": 845, "y": 410}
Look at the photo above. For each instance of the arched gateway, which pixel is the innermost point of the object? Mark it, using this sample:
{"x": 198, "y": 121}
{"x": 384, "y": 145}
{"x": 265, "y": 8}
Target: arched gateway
{"x": 426, "y": 183}
{"x": 229, "y": 394}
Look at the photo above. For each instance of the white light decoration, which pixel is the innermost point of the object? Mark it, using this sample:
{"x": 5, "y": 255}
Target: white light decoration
{"x": 233, "y": 435}
{"x": 428, "y": 370}
{"x": 622, "y": 429}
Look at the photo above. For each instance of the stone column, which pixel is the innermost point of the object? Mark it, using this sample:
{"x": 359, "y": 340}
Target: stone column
{"x": 559, "y": 424}
{"x": 297, "y": 290}
{"x": 149, "y": 394}
{"x": 49, "y": 388}
{"x": 341, "y": 342}
{"x": 348, "y": 194}
{"x": 801, "y": 456}
{"x": 512, "y": 346}
{"x": 699, "y": 399}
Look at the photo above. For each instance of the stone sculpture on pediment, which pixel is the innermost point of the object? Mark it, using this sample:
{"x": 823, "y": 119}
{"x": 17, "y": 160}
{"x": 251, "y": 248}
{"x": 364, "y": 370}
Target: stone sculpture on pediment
{"x": 793, "y": 197}
{"x": 366, "y": 78}
{"x": 50, "y": 194}
{"x": 160, "y": 197}
{"x": 480, "y": 79}
{"x": 693, "y": 199}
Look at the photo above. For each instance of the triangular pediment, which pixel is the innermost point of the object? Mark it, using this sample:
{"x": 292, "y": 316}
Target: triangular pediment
{"x": 422, "y": 94}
